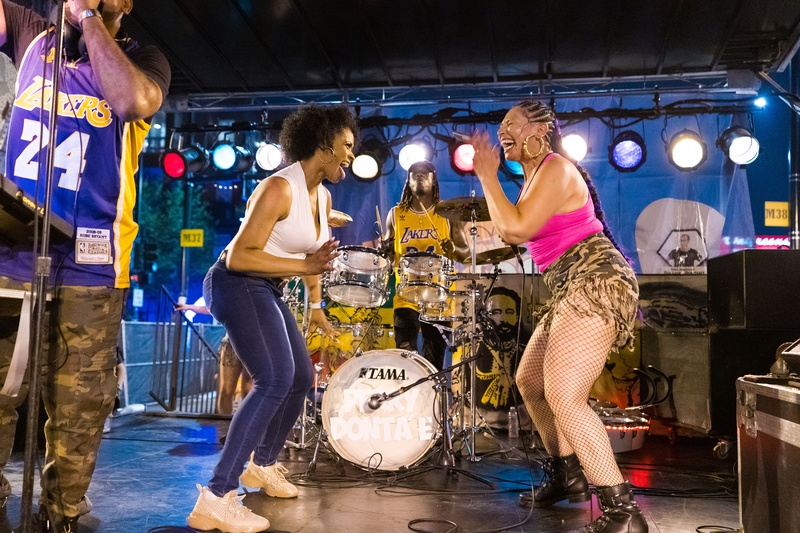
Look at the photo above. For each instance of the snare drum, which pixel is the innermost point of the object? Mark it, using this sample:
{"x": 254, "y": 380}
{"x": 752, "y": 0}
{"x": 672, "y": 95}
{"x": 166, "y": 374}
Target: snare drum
{"x": 454, "y": 309}
{"x": 422, "y": 277}
{"x": 359, "y": 277}
{"x": 401, "y": 430}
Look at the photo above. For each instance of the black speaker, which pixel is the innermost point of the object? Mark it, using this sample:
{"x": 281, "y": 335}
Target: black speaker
{"x": 754, "y": 289}
{"x": 733, "y": 354}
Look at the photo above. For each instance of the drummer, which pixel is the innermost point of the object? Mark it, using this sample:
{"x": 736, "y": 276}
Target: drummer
{"x": 413, "y": 226}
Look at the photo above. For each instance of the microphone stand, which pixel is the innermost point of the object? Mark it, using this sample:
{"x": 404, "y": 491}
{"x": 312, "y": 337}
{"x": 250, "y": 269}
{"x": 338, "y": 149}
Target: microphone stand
{"x": 446, "y": 457}
{"x": 39, "y": 296}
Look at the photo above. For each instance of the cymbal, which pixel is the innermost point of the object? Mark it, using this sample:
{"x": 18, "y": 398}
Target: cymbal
{"x": 337, "y": 219}
{"x": 464, "y": 208}
{"x": 498, "y": 255}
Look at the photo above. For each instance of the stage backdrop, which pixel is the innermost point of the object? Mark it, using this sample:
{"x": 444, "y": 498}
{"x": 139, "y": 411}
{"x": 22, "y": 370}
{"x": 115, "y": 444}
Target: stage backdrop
{"x": 648, "y": 210}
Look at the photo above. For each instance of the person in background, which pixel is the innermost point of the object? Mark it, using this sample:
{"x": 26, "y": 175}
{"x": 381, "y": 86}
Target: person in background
{"x": 413, "y": 226}
{"x": 231, "y": 370}
{"x": 122, "y": 379}
{"x": 110, "y": 87}
{"x": 284, "y": 233}
{"x": 591, "y": 312}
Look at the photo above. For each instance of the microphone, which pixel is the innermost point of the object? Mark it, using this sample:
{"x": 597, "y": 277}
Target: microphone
{"x": 516, "y": 252}
{"x": 375, "y": 401}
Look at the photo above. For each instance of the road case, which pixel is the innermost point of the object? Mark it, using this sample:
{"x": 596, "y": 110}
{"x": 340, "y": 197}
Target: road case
{"x": 768, "y": 422}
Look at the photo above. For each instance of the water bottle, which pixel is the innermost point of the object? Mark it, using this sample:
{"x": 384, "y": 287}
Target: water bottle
{"x": 513, "y": 423}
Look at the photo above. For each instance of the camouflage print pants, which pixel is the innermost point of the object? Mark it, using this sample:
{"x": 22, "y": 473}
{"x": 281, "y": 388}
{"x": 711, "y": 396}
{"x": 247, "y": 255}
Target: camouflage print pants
{"x": 78, "y": 385}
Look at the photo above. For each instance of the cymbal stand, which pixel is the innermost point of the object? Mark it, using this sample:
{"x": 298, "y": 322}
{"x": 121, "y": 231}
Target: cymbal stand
{"x": 318, "y": 434}
{"x": 473, "y": 340}
{"x": 307, "y": 421}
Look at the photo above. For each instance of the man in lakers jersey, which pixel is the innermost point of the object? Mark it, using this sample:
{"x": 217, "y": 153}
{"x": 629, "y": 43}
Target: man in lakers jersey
{"x": 413, "y": 226}
{"x": 109, "y": 88}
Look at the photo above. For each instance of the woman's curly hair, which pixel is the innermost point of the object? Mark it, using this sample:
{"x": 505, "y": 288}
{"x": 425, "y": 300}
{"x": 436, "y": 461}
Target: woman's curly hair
{"x": 314, "y": 126}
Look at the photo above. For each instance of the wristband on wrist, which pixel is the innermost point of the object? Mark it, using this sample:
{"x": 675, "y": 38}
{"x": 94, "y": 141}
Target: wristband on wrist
{"x": 86, "y": 13}
{"x": 315, "y": 305}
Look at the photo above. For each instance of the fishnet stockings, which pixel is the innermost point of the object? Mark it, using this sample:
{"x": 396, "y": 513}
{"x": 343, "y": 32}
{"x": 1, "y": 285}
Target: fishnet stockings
{"x": 555, "y": 376}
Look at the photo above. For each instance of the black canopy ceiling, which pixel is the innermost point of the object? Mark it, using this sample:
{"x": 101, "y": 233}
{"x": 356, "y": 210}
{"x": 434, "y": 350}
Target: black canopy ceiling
{"x": 307, "y": 49}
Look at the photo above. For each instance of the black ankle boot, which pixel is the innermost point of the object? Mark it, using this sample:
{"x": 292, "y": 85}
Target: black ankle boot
{"x": 620, "y": 512}
{"x": 565, "y": 480}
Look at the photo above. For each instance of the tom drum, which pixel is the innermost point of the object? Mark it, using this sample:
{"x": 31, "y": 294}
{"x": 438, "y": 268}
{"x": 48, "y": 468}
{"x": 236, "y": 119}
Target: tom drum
{"x": 423, "y": 277}
{"x": 359, "y": 277}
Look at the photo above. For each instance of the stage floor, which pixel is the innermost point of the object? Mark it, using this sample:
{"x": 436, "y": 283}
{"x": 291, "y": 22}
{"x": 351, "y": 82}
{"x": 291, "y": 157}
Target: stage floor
{"x": 149, "y": 465}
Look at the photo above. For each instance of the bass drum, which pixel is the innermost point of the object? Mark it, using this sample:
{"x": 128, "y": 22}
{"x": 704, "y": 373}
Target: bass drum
{"x": 401, "y": 430}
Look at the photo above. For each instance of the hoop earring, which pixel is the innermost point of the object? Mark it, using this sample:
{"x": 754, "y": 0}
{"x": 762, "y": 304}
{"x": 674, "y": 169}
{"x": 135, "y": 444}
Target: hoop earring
{"x": 525, "y": 146}
{"x": 333, "y": 156}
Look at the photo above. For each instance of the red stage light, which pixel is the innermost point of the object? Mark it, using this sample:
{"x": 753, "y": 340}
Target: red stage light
{"x": 173, "y": 164}
{"x": 178, "y": 163}
{"x": 462, "y": 157}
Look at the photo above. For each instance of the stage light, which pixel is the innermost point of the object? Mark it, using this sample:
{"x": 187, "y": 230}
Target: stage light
{"x": 179, "y": 163}
{"x": 461, "y": 155}
{"x": 227, "y": 156}
{"x": 512, "y": 167}
{"x": 686, "y": 150}
{"x": 368, "y": 164}
{"x": 739, "y": 145}
{"x": 413, "y": 152}
{"x": 269, "y": 156}
{"x": 628, "y": 152}
{"x": 575, "y": 146}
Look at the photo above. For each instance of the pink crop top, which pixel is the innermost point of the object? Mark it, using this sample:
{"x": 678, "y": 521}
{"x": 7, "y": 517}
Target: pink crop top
{"x": 561, "y": 232}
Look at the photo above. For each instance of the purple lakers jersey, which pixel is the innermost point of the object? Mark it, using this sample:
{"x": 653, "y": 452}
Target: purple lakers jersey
{"x": 95, "y": 158}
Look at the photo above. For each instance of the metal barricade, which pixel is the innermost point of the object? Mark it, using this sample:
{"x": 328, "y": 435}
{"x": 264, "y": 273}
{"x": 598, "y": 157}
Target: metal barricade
{"x": 185, "y": 371}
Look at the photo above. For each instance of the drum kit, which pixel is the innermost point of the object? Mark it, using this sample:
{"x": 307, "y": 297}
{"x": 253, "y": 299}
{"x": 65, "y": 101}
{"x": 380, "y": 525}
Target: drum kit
{"x": 376, "y": 410}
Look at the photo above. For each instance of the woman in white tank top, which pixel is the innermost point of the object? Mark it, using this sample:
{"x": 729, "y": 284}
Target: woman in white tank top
{"x": 284, "y": 233}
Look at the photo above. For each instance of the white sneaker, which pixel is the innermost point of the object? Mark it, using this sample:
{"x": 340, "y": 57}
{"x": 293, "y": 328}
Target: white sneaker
{"x": 270, "y": 478}
{"x": 225, "y": 513}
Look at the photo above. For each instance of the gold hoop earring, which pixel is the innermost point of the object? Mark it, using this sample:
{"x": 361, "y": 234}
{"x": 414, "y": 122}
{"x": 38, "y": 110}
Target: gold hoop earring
{"x": 525, "y": 146}
{"x": 333, "y": 156}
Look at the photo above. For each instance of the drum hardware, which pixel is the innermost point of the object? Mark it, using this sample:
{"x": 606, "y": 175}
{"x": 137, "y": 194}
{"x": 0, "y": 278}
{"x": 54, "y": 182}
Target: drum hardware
{"x": 299, "y": 307}
{"x": 306, "y": 424}
{"x": 473, "y": 209}
{"x": 454, "y": 336}
{"x": 309, "y": 427}
{"x": 446, "y": 458}
{"x": 363, "y": 329}
{"x": 357, "y": 350}
{"x": 498, "y": 255}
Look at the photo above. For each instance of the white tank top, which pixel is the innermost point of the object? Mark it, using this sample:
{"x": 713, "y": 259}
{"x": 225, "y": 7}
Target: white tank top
{"x": 296, "y": 235}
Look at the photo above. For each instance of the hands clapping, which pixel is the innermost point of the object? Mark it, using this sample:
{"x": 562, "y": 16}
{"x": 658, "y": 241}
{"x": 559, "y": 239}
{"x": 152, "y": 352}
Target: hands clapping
{"x": 486, "y": 161}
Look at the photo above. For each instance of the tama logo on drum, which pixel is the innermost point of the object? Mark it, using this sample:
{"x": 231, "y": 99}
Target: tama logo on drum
{"x": 382, "y": 373}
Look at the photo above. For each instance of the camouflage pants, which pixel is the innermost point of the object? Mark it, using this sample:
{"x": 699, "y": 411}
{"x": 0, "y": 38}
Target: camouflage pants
{"x": 78, "y": 385}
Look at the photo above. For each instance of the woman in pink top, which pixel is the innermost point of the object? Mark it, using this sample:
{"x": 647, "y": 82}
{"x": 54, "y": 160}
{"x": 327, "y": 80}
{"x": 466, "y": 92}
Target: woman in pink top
{"x": 591, "y": 312}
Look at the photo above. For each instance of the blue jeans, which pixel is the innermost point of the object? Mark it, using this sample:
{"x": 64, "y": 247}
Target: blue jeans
{"x": 265, "y": 336}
